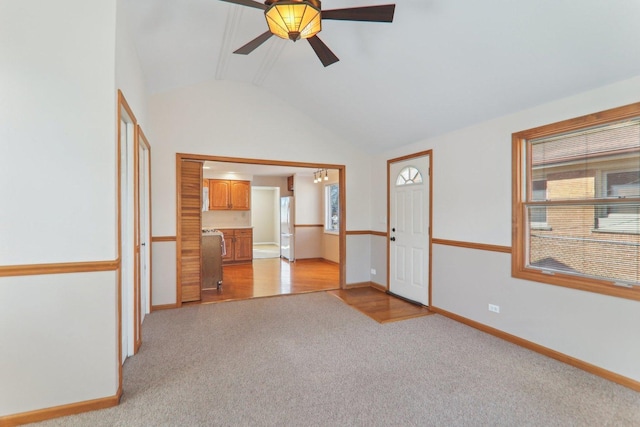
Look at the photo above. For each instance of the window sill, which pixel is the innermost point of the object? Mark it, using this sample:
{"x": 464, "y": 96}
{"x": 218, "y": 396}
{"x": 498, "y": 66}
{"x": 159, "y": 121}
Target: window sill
{"x": 597, "y": 286}
{"x": 541, "y": 227}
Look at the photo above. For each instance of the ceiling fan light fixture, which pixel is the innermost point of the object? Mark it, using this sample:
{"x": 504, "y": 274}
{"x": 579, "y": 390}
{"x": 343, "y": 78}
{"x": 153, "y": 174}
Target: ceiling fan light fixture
{"x": 293, "y": 19}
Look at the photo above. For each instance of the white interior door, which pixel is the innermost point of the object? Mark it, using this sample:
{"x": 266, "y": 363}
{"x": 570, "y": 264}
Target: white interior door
{"x": 145, "y": 228}
{"x": 142, "y": 281}
{"x": 409, "y": 229}
{"x": 127, "y": 240}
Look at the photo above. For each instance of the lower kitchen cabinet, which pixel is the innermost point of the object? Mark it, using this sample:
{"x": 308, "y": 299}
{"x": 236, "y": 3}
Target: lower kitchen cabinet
{"x": 243, "y": 250}
{"x": 239, "y": 245}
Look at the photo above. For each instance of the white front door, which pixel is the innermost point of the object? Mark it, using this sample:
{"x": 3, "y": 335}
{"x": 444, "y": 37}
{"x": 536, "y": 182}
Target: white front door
{"x": 409, "y": 229}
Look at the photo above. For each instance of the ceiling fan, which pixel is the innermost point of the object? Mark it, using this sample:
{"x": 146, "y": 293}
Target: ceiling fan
{"x": 296, "y": 19}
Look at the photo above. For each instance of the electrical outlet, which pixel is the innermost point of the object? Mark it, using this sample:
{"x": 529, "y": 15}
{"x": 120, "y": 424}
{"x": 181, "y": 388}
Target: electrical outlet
{"x": 494, "y": 308}
{"x": 373, "y": 271}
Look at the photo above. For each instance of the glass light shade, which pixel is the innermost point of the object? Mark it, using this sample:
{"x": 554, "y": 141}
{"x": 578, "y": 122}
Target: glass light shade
{"x": 294, "y": 19}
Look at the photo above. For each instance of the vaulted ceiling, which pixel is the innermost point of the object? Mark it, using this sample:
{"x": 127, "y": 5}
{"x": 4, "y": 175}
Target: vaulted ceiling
{"x": 440, "y": 66}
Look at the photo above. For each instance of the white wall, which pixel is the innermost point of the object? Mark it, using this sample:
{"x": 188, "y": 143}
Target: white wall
{"x": 273, "y": 181}
{"x": 57, "y": 124}
{"x": 308, "y": 207}
{"x": 130, "y": 78}
{"x": 308, "y": 200}
{"x": 472, "y": 203}
{"x": 227, "y": 119}
{"x": 163, "y": 263}
{"x": 58, "y": 340}
{"x": 379, "y": 260}
{"x": 58, "y": 333}
{"x": 331, "y": 247}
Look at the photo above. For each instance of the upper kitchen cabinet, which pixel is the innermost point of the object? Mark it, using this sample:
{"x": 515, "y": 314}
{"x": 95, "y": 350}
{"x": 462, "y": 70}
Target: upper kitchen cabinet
{"x": 219, "y": 194}
{"x": 229, "y": 195}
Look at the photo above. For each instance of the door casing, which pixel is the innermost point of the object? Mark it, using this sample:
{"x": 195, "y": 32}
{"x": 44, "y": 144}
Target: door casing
{"x": 199, "y": 157}
{"x": 428, "y": 153}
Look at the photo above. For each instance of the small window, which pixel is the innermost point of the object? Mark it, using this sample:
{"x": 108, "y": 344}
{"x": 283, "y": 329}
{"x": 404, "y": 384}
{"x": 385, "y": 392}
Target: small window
{"x": 577, "y": 203}
{"x": 332, "y": 208}
{"x": 409, "y": 175}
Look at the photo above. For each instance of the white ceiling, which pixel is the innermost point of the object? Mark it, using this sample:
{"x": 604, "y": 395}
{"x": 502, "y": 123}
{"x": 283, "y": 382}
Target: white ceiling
{"x": 440, "y": 66}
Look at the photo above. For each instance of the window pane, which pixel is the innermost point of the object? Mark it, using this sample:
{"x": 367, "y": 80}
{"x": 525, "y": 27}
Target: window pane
{"x": 576, "y": 243}
{"x": 409, "y": 175}
{"x": 623, "y": 184}
{"x": 538, "y": 214}
{"x": 332, "y": 207}
{"x": 575, "y": 165}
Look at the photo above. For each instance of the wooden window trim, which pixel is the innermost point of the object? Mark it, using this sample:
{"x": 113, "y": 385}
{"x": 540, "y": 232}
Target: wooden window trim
{"x": 518, "y": 268}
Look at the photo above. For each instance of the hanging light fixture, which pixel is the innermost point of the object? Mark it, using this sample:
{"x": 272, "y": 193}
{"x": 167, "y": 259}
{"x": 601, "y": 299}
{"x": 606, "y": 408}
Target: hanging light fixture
{"x": 317, "y": 175}
{"x": 293, "y": 19}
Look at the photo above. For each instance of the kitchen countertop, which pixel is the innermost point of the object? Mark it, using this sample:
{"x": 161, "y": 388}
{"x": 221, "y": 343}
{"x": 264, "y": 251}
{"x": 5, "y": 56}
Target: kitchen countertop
{"x": 211, "y": 233}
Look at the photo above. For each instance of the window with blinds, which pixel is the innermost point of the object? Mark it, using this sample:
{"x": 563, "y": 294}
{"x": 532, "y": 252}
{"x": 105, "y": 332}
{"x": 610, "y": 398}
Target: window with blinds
{"x": 577, "y": 203}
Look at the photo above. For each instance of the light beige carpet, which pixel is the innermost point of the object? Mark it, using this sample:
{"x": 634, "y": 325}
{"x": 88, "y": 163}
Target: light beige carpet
{"x": 311, "y": 360}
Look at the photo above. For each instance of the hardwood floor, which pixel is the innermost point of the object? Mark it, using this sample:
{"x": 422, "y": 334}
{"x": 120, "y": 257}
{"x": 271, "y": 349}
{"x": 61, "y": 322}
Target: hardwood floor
{"x": 262, "y": 251}
{"x": 379, "y": 305}
{"x": 271, "y": 277}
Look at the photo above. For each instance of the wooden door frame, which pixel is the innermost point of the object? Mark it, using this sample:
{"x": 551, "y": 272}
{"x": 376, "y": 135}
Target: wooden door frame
{"x": 400, "y": 159}
{"x": 123, "y": 109}
{"x": 200, "y": 157}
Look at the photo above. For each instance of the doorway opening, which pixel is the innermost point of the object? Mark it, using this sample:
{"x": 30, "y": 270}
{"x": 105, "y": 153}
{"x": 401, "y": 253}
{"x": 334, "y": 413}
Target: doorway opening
{"x": 298, "y": 274}
{"x": 265, "y": 219}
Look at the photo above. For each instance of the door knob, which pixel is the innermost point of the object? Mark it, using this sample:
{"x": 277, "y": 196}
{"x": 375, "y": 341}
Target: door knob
{"x": 393, "y": 239}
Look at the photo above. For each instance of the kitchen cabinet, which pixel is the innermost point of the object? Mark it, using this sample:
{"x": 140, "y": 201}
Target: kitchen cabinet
{"x": 229, "y": 195}
{"x": 239, "y": 245}
{"x": 243, "y": 250}
{"x": 229, "y": 246}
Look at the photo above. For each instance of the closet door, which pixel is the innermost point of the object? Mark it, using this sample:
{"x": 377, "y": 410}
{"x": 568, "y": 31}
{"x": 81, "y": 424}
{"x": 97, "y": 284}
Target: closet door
{"x": 190, "y": 230}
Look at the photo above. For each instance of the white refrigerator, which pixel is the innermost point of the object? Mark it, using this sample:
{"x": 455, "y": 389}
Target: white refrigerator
{"x": 287, "y": 233}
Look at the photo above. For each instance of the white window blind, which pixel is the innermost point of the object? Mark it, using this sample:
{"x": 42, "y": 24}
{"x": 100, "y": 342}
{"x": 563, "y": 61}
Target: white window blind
{"x": 585, "y": 187}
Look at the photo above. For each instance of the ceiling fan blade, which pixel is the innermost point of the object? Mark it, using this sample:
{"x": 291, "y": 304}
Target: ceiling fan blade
{"x": 249, "y": 3}
{"x": 324, "y": 53}
{"x": 253, "y": 44}
{"x": 382, "y": 13}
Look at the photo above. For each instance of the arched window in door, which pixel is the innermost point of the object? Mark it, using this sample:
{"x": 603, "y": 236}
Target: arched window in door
{"x": 409, "y": 175}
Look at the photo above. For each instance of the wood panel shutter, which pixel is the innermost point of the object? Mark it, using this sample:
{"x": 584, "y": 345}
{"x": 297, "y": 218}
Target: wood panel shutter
{"x": 190, "y": 230}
